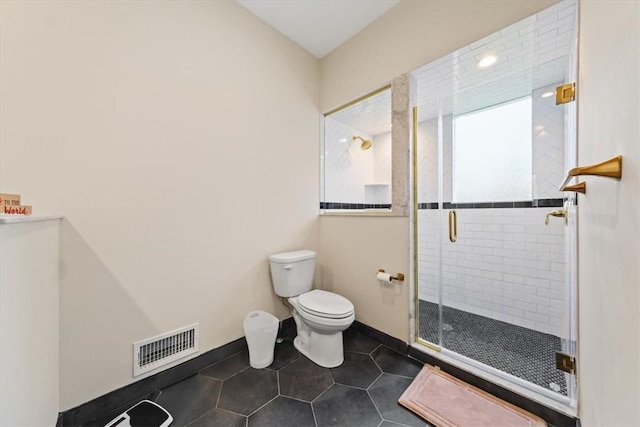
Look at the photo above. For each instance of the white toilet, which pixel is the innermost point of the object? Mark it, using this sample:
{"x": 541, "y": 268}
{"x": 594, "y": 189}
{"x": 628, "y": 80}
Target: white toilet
{"x": 320, "y": 316}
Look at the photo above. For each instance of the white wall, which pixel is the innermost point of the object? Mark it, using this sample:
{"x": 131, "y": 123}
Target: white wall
{"x": 609, "y": 290}
{"x": 180, "y": 141}
{"x": 29, "y": 323}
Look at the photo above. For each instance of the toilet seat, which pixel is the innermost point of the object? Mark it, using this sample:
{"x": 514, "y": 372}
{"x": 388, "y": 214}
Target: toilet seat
{"x": 325, "y": 304}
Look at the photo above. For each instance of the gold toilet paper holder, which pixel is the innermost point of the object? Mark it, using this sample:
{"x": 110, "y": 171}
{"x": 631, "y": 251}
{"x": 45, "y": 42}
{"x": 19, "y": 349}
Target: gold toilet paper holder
{"x": 399, "y": 277}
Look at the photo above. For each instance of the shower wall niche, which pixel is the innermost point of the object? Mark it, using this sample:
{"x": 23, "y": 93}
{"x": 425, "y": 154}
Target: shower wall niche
{"x": 356, "y": 157}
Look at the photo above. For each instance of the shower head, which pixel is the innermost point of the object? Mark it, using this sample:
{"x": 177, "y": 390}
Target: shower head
{"x": 366, "y": 143}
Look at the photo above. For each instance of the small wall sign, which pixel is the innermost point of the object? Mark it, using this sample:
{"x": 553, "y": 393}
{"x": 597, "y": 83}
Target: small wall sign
{"x": 9, "y": 199}
{"x": 10, "y": 205}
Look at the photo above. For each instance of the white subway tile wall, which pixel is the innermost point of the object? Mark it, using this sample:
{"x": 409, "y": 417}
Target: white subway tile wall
{"x": 492, "y": 271}
{"x": 506, "y": 264}
{"x": 382, "y": 159}
{"x": 353, "y": 175}
{"x": 347, "y": 168}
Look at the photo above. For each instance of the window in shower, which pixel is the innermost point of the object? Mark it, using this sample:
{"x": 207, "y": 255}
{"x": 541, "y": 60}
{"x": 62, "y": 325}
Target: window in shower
{"x": 492, "y": 153}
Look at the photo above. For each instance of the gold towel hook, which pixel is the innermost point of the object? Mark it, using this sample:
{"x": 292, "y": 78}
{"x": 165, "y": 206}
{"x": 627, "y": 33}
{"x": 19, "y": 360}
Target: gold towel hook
{"x": 611, "y": 168}
{"x": 580, "y": 187}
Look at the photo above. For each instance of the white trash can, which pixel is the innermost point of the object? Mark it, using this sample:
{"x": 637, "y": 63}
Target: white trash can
{"x": 260, "y": 330}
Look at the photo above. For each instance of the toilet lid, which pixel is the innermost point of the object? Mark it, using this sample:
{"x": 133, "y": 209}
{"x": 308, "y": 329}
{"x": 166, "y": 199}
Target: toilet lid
{"x": 325, "y": 304}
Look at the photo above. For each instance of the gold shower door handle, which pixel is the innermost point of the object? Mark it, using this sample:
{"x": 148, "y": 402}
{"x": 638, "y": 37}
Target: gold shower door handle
{"x": 453, "y": 226}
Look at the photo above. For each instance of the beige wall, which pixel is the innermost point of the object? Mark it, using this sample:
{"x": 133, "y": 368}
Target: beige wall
{"x": 412, "y": 34}
{"x": 352, "y": 249}
{"x": 180, "y": 141}
{"x": 609, "y": 218}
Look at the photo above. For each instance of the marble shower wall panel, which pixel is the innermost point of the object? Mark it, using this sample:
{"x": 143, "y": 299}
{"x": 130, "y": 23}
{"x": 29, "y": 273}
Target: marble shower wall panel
{"x": 401, "y": 103}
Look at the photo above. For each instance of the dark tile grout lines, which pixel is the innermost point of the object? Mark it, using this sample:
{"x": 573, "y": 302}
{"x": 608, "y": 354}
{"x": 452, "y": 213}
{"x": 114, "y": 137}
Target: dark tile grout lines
{"x": 382, "y": 373}
{"x": 322, "y": 396}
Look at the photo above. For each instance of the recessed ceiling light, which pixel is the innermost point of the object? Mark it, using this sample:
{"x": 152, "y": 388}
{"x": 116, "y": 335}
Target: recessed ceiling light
{"x": 487, "y": 61}
{"x": 547, "y": 94}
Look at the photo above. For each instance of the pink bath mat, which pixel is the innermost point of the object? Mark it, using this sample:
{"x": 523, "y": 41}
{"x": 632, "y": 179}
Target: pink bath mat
{"x": 449, "y": 402}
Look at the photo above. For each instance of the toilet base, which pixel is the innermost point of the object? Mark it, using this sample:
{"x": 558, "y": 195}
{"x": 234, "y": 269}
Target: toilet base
{"x": 325, "y": 350}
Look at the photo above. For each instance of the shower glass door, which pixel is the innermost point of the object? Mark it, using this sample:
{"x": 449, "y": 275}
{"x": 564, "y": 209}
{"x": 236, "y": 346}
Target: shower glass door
{"x": 495, "y": 247}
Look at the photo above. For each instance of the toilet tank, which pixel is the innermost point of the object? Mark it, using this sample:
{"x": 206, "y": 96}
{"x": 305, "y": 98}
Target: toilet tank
{"x": 292, "y": 272}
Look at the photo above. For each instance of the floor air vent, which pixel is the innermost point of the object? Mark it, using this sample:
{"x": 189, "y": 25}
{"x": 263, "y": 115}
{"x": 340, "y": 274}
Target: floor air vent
{"x": 152, "y": 353}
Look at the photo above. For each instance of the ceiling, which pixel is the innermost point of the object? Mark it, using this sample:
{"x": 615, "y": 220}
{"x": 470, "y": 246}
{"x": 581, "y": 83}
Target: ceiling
{"x": 319, "y": 26}
{"x": 531, "y": 54}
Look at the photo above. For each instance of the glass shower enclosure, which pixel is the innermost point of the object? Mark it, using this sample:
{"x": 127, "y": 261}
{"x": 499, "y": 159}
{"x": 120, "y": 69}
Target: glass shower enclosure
{"x": 494, "y": 238}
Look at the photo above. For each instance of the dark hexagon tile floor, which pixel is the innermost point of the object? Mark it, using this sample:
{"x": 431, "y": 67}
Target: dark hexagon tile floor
{"x": 386, "y": 423}
{"x": 294, "y": 391}
{"x": 284, "y": 354}
{"x": 228, "y": 367}
{"x": 395, "y": 363}
{"x": 283, "y": 412}
{"x": 345, "y": 406}
{"x": 358, "y": 370}
{"x": 385, "y": 393}
{"x": 248, "y": 390}
{"x": 219, "y": 418}
{"x": 190, "y": 398}
{"x": 304, "y": 380}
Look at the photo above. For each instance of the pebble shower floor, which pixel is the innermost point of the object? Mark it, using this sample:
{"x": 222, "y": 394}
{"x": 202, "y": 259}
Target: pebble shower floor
{"x": 518, "y": 351}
